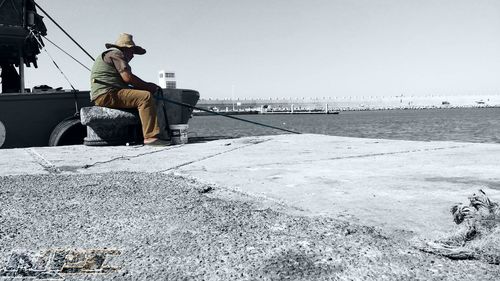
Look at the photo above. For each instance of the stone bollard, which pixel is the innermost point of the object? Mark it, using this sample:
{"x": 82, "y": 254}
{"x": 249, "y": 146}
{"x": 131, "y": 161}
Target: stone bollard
{"x": 106, "y": 126}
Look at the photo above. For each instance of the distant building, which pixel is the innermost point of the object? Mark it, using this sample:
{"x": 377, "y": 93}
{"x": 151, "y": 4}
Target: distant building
{"x": 167, "y": 79}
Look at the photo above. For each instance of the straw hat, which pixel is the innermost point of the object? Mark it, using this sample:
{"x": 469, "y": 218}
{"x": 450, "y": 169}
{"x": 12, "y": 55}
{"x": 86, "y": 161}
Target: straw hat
{"x": 125, "y": 41}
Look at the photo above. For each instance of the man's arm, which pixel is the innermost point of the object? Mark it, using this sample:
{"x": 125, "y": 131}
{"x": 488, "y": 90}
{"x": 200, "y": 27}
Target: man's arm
{"x": 129, "y": 78}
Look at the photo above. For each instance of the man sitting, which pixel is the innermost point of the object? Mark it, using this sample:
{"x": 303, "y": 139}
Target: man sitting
{"x": 114, "y": 85}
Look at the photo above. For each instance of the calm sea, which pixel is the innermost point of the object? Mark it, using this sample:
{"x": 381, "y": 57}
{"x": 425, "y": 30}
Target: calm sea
{"x": 464, "y": 124}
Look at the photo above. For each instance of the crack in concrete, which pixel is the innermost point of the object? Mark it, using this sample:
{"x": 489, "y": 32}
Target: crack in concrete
{"x": 42, "y": 161}
{"x": 367, "y": 155}
{"x": 124, "y": 158}
{"x": 53, "y": 169}
{"x": 87, "y": 166}
{"x": 214, "y": 155}
{"x": 395, "y": 152}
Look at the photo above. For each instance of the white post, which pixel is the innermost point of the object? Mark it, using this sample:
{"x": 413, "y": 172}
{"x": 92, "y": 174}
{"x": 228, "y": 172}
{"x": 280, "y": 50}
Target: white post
{"x": 232, "y": 95}
{"x": 162, "y": 80}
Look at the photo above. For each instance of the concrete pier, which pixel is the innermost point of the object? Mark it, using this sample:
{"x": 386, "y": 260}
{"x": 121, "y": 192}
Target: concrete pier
{"x": 386, "y": 183}
{"x": 404, "y": 187}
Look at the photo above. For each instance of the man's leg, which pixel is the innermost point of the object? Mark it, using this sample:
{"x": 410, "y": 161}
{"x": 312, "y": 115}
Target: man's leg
{"x": 131, "y": 98}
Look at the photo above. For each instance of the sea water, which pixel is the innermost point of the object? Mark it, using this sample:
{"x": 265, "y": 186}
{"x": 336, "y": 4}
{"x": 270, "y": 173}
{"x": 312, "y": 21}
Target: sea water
{"x": 456, "y": 124}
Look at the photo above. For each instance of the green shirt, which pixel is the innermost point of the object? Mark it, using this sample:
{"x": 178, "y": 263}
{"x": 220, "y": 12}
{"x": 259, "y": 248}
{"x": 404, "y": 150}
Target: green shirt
{"x": 105, "y": 75}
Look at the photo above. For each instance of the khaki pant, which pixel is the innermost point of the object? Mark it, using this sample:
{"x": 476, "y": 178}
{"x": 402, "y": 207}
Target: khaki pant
{"x": 131, "y": 98}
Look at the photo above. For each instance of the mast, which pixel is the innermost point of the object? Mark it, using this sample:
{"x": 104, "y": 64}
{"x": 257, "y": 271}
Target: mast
{"x": 21, "y": 28}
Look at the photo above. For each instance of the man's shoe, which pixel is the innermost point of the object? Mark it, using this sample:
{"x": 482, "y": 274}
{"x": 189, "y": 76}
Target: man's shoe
{"x": 158, "y": 142}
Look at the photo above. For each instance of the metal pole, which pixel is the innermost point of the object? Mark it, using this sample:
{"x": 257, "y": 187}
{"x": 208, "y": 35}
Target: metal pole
{"x": 232, "y": 95}
{"x": 21, "y": 73}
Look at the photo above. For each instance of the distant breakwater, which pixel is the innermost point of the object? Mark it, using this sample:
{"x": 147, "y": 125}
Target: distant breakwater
{"x": 349, "y": 103}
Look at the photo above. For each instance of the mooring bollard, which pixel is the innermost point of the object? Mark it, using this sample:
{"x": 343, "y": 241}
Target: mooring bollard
{"x": 106, "y": 126}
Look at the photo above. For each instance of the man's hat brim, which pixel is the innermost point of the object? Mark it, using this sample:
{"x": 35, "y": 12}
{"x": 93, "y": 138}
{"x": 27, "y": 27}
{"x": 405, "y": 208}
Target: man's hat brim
{"x": 137, "y": 49}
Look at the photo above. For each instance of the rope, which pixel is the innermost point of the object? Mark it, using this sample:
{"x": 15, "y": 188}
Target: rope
{"x": 60, "y": 70}
{"x": 62, "y": 29}
{"x": 66, "y": 53}
{"x": 57, "y": 66}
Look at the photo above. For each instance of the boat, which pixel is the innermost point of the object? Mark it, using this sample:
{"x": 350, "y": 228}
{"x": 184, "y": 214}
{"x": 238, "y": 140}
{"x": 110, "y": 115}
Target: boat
{"x": 231, "y": 112}
{"x": 44, "y": 116}
{"x": 303, "y": 111}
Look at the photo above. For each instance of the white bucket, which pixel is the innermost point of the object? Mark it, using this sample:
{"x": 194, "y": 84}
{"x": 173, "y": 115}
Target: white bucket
{"x": 179, "y": 133}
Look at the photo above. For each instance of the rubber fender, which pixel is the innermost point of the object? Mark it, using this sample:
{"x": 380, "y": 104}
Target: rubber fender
{"x": 70, "y": 131}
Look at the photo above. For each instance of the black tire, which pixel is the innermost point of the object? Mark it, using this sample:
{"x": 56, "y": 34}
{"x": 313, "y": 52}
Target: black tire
{"x": 68, "y": 132}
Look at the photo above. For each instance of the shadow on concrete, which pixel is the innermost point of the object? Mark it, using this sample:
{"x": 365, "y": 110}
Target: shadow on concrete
{"x": 207, "y": 139}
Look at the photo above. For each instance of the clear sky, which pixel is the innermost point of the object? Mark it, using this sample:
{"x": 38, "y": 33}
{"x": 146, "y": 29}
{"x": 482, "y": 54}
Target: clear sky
{"x": 288, "y": 48}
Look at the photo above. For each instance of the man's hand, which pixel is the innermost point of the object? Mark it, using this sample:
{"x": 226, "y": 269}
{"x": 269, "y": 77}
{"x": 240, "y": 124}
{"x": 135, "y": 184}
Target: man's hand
{"x": 137, "y": 82}
{"x": 153, "y": 88}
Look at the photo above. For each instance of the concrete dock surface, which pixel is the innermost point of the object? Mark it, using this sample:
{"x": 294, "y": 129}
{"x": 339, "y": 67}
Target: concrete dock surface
{"x": 388, "y": 183}
{"x": 403, "y": 187}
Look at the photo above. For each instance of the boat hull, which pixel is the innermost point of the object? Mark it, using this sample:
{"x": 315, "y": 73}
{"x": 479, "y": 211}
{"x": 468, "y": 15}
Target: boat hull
{"x": 28, "y": 120}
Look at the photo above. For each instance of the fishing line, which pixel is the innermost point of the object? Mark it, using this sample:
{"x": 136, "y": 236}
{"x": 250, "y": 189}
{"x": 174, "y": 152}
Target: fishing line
{"x": 159, "y": 96}
{"x": 226, "y": 115}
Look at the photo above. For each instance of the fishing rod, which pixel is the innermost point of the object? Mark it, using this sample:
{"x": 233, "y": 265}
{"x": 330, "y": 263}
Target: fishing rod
{"x": 159, "y": 96}
{"x": 226, "y": 115}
